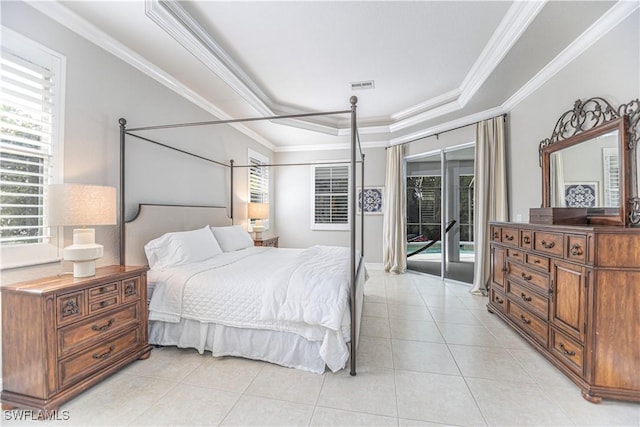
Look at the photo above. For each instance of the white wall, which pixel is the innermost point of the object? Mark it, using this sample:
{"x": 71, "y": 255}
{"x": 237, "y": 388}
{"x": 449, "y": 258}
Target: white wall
{"x": 100, "y": 89}
{"x": 293, "y": 201}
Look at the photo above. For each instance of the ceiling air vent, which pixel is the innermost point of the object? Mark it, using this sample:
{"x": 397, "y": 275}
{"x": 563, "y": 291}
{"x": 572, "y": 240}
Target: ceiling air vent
{"x": 369, "y": 84}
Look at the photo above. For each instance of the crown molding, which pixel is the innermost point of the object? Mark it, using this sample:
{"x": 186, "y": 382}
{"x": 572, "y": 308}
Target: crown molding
{"x": 612, "y": 17}
{"x": 82, "y": 27}
{"x": 445, "y": 98}
{"x": 329, "y": 147}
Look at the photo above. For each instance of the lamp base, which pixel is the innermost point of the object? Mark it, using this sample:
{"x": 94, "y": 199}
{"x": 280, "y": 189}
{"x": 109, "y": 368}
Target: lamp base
{"x": 258, "y": 228}
{"x": 83, "y": 252}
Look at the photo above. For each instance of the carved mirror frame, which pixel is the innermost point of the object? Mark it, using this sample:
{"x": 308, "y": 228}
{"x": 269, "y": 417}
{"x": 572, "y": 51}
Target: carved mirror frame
{"x": 589, "y": 119}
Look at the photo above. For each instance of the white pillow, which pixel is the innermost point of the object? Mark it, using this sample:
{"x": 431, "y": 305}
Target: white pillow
{"x": 179, "y": 248}
{"x": 232, "y": 238}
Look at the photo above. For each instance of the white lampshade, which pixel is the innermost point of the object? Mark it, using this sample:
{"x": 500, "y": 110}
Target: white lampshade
{"x": 258, "y": 211}
{"x": 76, "y": 204}
{"x": 81, "y": 205}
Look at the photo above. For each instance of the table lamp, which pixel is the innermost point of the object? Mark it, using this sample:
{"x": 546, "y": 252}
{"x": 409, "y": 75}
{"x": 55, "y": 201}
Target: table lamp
{"x": 258, "y": 211}
{"x": 82, "y": 205}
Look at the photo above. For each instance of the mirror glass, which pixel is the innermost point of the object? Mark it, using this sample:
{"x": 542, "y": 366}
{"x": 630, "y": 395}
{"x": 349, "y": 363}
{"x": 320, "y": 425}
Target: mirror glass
{"x": 587, "y": 175}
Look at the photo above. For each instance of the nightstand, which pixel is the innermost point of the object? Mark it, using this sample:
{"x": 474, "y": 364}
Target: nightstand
{"x": 61, "y": 335}
{"x": 266, "y": 241}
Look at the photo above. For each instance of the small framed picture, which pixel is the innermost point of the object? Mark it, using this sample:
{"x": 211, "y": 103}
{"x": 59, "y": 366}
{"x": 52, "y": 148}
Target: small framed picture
{"x": 373, "y": 200}
{"x": 581, "y": 194}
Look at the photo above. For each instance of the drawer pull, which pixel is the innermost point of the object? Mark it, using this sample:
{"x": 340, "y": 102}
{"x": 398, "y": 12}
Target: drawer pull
{"x": 70, "y": 308}
{"x": 104, "y": 289}
{"x": 104, "y": 355}
{"x": 524, "y": 319}
{"x": 567, "y": 352}
{"x": 576, "y": 250}
{"x": 496, "y": 235}
{"x": 499, "y": 300}
{"x": 548, "y": 245}
{"x": 507, "y": 237}
{"x": 536, "y": 261}
{"x": 105, "y": 304}
{"x": 516, "y": 254}
{"x": 525, "y": 297}
{"x": 525, "y": 277}
{"x": 526, "y": 240}
{"x": 103, "y": 327}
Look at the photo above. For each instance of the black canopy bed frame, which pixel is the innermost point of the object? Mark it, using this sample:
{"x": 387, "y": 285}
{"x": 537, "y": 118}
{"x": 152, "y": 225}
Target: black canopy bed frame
{"x": 356, "y": 267}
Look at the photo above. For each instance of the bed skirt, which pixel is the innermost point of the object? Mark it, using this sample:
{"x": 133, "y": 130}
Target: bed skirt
{"x": 283, "y": 348}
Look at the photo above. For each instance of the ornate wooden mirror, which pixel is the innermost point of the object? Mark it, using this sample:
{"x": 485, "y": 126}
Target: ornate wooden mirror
{"x": 590, "y": 162}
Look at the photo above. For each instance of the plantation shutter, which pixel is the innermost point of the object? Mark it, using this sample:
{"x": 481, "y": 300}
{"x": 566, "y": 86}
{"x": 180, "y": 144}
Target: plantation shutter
{"x": 331, "y": 191}
{"x": 611, "y": 177}
{"x": 26, "y": 135}
{"x": 258, "y": 181}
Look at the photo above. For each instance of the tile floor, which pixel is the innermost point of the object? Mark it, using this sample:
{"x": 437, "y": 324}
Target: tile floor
{"x": 430, "y": 354}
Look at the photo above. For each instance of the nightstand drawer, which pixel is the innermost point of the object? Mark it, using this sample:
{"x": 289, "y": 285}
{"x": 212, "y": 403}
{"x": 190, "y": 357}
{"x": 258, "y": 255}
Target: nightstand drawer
{"x": 99, "y": 292}
{"x": 107, "y": 303}
{"x": 130, "y": 289}
{"x": 77, "y": 367}
{"x": 76, "y": 336}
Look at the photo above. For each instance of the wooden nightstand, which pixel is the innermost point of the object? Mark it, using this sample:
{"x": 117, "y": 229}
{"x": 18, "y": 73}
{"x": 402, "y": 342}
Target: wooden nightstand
{"x": 266, "y": 241}
{"x": 61, "y": 335}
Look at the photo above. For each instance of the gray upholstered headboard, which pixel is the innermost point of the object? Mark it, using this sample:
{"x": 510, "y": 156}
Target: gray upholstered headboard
{"x": 153, "y": 221}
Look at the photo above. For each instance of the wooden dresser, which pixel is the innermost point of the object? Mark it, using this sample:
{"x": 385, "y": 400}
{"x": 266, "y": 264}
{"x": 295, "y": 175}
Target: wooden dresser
{"x": 61, "y": 335}
{"x": 573, "y": 292}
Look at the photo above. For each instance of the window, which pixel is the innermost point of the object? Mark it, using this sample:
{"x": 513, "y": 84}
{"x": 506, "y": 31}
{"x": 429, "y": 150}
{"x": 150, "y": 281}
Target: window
{"x": 611, "y": 177}
{"x": 31, "y": 100}
{"x": 330, "y": 197}
{"x": 258, "y": 181}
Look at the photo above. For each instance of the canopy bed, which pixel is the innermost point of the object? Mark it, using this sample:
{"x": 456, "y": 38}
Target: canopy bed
{"x": 569, "y": 281}
{"x": 215, "y": 291}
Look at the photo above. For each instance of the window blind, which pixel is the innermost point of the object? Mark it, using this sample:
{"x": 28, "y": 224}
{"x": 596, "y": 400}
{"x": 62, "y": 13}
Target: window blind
{"x": 611, "y": 177}
{"x": 26, "y": 100}
{"x": 331, "y": 195}
{"x": 258, "y": 181}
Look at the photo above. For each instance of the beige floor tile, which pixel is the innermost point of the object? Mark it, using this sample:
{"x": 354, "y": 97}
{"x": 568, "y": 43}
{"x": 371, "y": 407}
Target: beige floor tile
{"x": 337, "y": 417}
{"x": 403, "y": 422}
{"x": 375, "y": 327}
{"x": 374, "y": 309}
{"x": 260, "y": 411}
{"x": 489, "y": 362}
{"x": 448, "y": 314}
{"x": 116, "y": 401}
{"x": 410, "y": 312}
{"x": 188, "y": 405}
{"x": 404, "y": 297}
{"x": 455, "y": 333}
{"x": 372, "y": 391}
{"x": 225, "y": 373}
{"x": 436, "y": 398}
{"x": 505, "y": 403}
{"x": 423, "y": 357}
{"x": 168, "y": 363}
{"x": 415, "y": 330}
{"x": 445, "y": 300}
{"x": 374, "y": 352}
{"x": 293, "y": 385}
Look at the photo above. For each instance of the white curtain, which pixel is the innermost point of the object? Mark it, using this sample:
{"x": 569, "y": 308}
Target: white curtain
{"x": 490, "y": 194}
{"x": 394, "y": 228}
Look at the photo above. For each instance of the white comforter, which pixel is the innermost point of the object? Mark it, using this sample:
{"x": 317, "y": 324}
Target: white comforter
{"x": 293, "y": 290}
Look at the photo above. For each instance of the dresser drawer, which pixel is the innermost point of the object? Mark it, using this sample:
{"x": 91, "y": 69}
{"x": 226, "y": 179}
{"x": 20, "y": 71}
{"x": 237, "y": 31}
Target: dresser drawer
{"x": 516, "y": 254}
{"x": 82, "y": 334}
{"x": 82, "y": 364}
{"x": 103, "y": 291}
{"x": 510, "y": 236}
{"x": 576, "y": 247}
{"x": 107, "y": 303}
{"x": 527, "y": 275}
{"x": 526, "y": 239}
{"x": 550, "y": 243}
{"x": 528, "y": 299}
{"x": 70, "y": 307}
{"x": 539, "y": 262}
{"x": 497, "y": 300}
{"x": 528, "y": 322}
{"x": 131, "y": 289}
{"x": 496, "y": 234}
{"x": 568, "y": 351}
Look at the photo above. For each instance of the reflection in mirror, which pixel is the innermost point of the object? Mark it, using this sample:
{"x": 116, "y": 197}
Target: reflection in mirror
{"x": 586, "y": 175}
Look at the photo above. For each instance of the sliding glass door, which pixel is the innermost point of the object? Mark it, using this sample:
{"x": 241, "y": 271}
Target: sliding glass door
{"x": 440, "y": 213}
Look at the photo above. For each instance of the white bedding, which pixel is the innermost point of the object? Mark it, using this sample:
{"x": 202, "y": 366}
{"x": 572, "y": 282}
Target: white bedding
{"x": 299, "y": 291}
